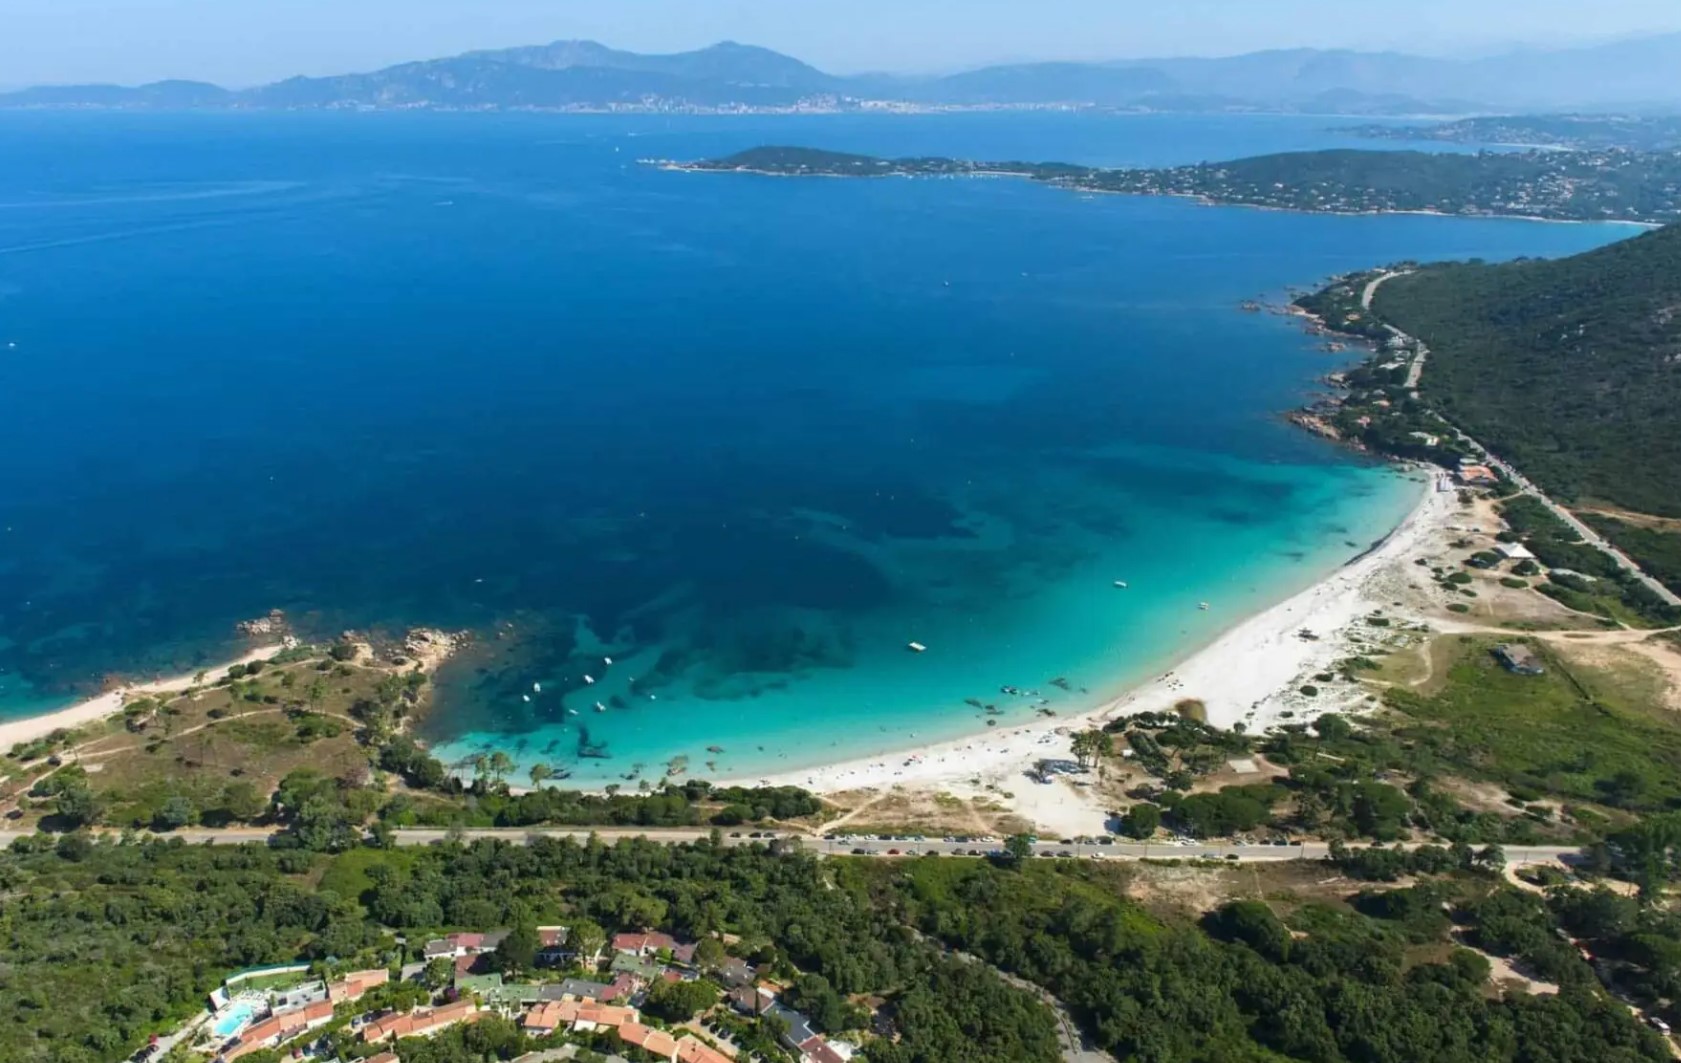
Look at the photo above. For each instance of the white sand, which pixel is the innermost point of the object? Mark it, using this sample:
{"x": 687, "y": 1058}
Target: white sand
{"x": 1252, "y": 674}
{"x": 111, "y": 703}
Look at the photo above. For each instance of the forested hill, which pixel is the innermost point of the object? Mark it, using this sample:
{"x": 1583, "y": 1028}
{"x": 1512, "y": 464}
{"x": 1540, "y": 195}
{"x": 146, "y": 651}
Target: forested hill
{"x": 1565, "y": 186}
{"x": 1569, "y": 368}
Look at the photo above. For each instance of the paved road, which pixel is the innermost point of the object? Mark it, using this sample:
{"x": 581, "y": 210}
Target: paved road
{"x": 1591, "y": 537}
{"x": 1116, "y": 850}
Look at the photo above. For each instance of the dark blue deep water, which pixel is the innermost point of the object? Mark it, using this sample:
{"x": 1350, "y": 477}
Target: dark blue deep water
{"x": 747, "y": 436}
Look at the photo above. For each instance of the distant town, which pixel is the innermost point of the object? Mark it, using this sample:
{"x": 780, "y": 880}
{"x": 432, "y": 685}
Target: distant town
{"x": 1605, "y": 185}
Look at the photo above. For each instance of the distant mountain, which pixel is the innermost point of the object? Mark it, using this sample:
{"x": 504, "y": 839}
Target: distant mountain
{"x": 1629, "y": 76}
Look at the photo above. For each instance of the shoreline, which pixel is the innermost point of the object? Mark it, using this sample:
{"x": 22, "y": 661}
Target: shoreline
{"x": 1200, "y": 198}
{"x": 1247, "y": 674}
{"x": 111, "y": 702}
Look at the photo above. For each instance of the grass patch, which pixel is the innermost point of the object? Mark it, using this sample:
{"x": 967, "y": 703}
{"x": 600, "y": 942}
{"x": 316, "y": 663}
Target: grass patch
{"x": 1571, "y": 732}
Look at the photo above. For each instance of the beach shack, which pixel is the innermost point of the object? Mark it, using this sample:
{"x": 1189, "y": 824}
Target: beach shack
{"x": 1518, "y": 659}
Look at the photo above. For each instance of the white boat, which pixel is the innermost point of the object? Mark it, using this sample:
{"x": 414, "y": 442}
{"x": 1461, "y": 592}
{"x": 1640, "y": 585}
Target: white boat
{"x": 607, "y": 660}
{"x": 1121, "y": 583}
{"x": 590, "y": 680}
{"x": 599, "y": 707}
{"x": 536, "y": 688}
{"x": 527, "y": 697}
{"x": 571, "y": 712}
{"x": 1203, "y": 606}
{"x": 916, "y": 647}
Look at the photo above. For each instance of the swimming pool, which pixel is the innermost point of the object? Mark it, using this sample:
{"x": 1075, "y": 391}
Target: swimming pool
{"x": 234, "y": 1019}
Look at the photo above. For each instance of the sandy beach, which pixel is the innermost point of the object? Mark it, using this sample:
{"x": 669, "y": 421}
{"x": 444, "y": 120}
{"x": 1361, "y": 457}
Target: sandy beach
{"x": 111, "y": 702}
{"x": 1250, "y": 674}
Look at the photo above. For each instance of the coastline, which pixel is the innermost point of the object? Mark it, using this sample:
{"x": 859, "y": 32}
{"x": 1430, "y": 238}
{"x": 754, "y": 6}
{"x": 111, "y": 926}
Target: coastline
{"x": 111, "y": 702}
{"x": 1248, "y": 674}
{"x": 1200, "y": 198}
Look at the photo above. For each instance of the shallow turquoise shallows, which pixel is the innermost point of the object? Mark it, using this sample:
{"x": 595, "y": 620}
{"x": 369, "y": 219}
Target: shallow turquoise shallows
{"x": 747, "y": 437}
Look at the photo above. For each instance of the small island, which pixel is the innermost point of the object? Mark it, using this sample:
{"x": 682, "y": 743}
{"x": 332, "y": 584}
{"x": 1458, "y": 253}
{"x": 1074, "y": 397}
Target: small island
{"x": 1603, "y": 185}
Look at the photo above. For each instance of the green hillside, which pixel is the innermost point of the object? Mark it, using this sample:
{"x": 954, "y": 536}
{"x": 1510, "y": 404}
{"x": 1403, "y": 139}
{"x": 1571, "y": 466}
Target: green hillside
{"x": 1569, "y": 368}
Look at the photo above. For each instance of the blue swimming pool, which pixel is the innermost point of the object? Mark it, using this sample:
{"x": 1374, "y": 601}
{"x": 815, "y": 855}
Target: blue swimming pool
{"x": 235, "y": 1018}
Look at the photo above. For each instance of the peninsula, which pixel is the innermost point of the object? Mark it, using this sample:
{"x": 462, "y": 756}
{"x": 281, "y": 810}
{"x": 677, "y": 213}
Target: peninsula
{"x": 1604, "y": 185}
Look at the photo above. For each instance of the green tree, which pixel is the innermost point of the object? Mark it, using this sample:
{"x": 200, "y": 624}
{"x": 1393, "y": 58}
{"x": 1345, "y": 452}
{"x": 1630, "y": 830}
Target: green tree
{"x": 517, "y": 954}
{"x": 677, "y": 1002}
{"x": 1141, "y": 820}
{"x": 1019, "y": 847}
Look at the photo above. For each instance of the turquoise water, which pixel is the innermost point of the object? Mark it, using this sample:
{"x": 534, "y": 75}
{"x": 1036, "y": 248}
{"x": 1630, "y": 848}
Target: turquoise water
{"x": 747, "y": 437}
{"x": 237, "y": 1016}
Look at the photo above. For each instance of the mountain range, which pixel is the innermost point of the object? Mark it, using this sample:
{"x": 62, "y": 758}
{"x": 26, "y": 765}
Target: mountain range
{"x": 1627, "y": 75}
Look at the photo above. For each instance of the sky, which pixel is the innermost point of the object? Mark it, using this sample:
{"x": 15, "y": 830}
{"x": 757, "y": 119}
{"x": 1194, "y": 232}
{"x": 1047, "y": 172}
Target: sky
{"x": 244, "y": 42}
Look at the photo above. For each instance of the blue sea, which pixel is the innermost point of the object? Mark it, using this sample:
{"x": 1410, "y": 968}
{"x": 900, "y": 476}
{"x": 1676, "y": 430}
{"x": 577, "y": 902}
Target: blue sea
{"x": 746, "y": 437}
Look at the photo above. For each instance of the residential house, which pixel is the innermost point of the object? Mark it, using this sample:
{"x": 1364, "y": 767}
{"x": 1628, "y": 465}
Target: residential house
{"x": 817, "y": 1050}
{"x": 644, "y": 945}
{"x": 693, "y": 1050}
{"x": 577, "y": 987}
{"x": 583, "y": 1015}
{"x": 297, "y": 996}
{"x": 737, "y": 973}
{"x": 551, "y": 946}
{"x": 655, "y": 1042}
{"x": 545, "y": 1018}
{"x": 624, "y": 986}
{"x": 453, "y": 946}
{"x": 632, "y": 964}
{"x": 383, "y": 1057}
{"x": 353, "y": 985}
{"x": 751, "y": 1000}
{"x": 422, "y": 1022}
{"x": 799, "y": 1027}
{"x": 1514, "y": 551}
{"x": 278, "y": 1029}
{"x": 1518, "y": 659}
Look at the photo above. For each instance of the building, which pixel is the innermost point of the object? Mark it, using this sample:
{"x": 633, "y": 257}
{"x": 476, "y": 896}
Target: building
{"x": 551, "y": 946}
{"x": 1518, "y": 659}
{"x": 818, "y": 1050}
{"x": 421, "y": 1022}
{"x": 383, "y": 1057}
{"x": 578, "y": 987}
{"x": 454, "y": 946}
{"x": 644, "y": 945}
{"x": 1514, "y": 551}
{"x": 1477, "y": 476}
{"x": 278, "y": 1029}
{"x": 655, "y": 1042}
{"x": 356, "y": 983}
{"x": 585, "y": 1016}
{"x": 694, "y": 1050}
{"x": 632, "y": 964}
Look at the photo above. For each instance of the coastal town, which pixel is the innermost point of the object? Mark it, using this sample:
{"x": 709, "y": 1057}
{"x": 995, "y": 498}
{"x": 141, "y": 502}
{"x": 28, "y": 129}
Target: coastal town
{"x": 1591, "y": 185}
{"x": 637, "y": 996}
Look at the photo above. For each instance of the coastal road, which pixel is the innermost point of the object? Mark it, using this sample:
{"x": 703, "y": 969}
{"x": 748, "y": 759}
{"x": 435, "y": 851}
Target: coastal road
{"x": 1589, "y": 536}
{"x": 1421, "y": 353}
{"x": 1116, "y": 849}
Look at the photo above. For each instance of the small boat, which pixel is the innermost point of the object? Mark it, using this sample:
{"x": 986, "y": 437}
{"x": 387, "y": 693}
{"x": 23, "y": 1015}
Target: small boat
{"x": 536, "y": 688}
{"x": 714, "y": 749}
{"x": 1121, "y": 583}
{"x": 1203, "y": 606}
{"x": 589, "y": 680}
{"x": 599, "y": 707}
{"x": 916, "y": 647}
{"x": 571, "y": 712}
{"x": 527, "y": 697}
{"x": 607, "y": 660}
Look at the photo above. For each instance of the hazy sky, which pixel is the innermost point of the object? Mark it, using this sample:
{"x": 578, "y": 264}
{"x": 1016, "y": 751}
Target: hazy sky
{"x": 239, "y": 42}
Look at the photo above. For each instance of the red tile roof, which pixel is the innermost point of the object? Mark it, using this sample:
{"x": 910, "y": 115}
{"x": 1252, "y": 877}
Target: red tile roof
{"x": 421, "y": 1021}
{"x": 658, "y": 1042}
{"x": 693, "y": 1050}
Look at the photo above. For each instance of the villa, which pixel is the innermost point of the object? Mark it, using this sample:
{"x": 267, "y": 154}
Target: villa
{"x": 353, "y": 985}
{"x": 422, "y": 1022}
{"x": 278, "y": 1028}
